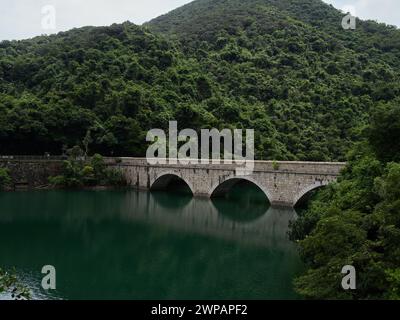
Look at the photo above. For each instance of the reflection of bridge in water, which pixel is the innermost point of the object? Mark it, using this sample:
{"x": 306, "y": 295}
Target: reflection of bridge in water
{"x": 268, "y": 227}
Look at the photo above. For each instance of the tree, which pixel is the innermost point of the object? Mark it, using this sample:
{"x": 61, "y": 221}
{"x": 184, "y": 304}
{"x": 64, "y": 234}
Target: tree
{"x": 356, "y": 222}
{"x": 385, "y": 132}
{"x": 87, "y": 141}
{"x": 5, "y": 179}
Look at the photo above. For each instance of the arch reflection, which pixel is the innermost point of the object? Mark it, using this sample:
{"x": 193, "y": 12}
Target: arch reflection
{"x": 243, "y": 202}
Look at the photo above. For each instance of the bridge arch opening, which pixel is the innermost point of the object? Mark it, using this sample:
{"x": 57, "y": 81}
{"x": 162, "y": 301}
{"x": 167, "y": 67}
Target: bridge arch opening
{"x": 240, "y": 200}
{"x": 240, "y": 188}
{"x": 173, "y": 183}
{"x": 303, "y": 198}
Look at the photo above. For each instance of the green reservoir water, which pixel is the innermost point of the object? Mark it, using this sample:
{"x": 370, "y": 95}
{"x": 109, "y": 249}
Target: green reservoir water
{"x": 126, "y": 244}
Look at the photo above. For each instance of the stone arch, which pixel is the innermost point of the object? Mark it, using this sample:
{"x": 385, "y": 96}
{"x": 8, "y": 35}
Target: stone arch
{"x": 224, "y": 186}
{"x": 164, "y": 179}
{"x": 307, "y": 189}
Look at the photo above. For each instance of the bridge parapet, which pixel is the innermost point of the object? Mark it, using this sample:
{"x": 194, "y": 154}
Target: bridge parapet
{"x": 331, "y": 168}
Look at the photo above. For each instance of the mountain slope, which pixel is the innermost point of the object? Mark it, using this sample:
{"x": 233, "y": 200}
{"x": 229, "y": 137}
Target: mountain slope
{"x": 201, "y": 19}
{"x": 306, "y": 89}
{"x": 316, "y": 81}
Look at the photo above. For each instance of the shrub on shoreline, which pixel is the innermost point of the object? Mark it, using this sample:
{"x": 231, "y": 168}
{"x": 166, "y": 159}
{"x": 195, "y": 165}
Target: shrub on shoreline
{"x": 79, "y": 173}
{"x": 5, "y": 179}
{"x": 10, "y": 284}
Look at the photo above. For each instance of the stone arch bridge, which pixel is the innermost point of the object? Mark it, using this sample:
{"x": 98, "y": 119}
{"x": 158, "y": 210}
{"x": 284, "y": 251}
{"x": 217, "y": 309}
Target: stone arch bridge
{"x": 284, "y": 183}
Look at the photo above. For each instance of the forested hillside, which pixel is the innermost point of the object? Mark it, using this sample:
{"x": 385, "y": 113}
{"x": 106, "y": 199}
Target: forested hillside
{"x": 357, "y": 220}
{"x": 284, "y": 68}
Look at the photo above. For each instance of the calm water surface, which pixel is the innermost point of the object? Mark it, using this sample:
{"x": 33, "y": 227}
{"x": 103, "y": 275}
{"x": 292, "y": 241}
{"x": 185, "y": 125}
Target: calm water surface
{"x": 139, "y": 245}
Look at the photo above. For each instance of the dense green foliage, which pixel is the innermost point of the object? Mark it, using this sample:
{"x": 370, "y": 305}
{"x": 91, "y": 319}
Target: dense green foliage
{"x": 5, "y": 179}
{"x": 283, "y": 68}
{"x": 78, "y": 172}
{"x": 357, "y": 221}
{"x": 308, "y": 83}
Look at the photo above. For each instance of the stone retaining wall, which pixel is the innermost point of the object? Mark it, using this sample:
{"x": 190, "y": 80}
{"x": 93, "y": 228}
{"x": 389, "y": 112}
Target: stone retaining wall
{"x": 31, "y": 174}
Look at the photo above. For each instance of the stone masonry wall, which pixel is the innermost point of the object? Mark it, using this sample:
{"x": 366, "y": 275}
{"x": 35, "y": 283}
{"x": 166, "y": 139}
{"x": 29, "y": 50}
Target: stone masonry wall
{"x": 31, "y": 174}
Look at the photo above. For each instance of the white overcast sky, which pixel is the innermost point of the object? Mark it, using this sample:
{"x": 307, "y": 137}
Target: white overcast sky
{"x": 20, "y": 19}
